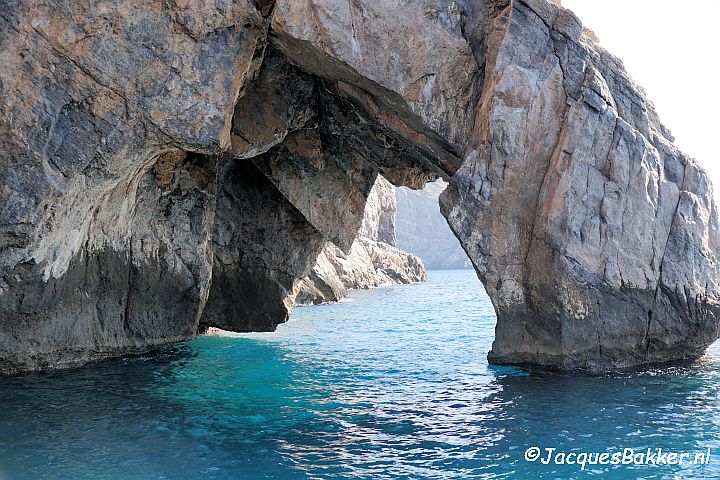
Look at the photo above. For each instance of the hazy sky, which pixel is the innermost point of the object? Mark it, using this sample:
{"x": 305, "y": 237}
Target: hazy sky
{"x": 671, "y": 48}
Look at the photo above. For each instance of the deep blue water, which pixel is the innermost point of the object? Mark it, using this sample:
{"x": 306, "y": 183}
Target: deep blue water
{"x": 392, "y": 383}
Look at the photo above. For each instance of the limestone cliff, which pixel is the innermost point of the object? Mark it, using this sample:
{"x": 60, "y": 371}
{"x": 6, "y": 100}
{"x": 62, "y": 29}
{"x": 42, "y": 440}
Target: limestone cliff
{"x": 595, "y": 237}
{"x": 169, "y": 164}
{"x": 374, "y": 259}
{"x": 423, "y": 230}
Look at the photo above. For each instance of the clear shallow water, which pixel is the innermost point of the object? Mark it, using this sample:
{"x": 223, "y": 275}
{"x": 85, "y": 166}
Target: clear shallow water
{"x": 392, "y": 383}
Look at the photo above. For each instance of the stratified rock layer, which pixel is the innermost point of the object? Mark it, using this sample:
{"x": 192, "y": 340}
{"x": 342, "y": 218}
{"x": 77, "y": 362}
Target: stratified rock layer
{"x": 373, "y": 260}
{"x": 169, "y": 164}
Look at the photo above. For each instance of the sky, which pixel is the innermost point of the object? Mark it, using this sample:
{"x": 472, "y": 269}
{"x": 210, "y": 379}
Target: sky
{"x": 671, "y": 48}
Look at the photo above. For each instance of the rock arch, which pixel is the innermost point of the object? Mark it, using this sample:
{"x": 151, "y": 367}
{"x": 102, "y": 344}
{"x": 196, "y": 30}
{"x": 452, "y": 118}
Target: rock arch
{"x": 166, "y": 164}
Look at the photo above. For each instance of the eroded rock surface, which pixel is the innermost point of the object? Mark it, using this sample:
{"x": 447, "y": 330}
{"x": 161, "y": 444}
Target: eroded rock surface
{"x": 99, "y": 254}
{"x": 596, "y": 239}
{"x": 373, "y": 260}
{"x": 262, "y": 244}
{"x": 169, "y": 164}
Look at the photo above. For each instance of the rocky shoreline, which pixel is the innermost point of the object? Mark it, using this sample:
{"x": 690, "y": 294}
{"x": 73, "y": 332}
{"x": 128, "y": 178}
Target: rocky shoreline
{"x": 373, "y": 260}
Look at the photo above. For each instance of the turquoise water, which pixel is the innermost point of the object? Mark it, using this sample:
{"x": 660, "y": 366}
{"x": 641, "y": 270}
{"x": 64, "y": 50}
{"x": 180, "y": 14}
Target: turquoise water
{"x": 392, "y": 383}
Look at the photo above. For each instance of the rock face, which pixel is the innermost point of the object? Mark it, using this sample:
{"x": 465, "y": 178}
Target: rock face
{"x": 596, "y": 239}
{"x": 146, "y": 176}
{"x": 423, "y": 230}
{"x": 169, "y": 164}
{"x": 374, "y": 259}
{"x": 102, "y": 248}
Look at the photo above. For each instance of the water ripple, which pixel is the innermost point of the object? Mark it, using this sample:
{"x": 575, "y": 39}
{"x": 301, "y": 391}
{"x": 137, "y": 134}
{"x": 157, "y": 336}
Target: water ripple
{"x": 392, "y": 383}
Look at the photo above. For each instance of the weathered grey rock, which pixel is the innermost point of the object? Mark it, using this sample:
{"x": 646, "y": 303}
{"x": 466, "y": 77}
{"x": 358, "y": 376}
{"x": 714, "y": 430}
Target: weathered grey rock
{"x": 323, "y": 284}
{"x": 596, "y": 239}
{"x": 107, "y": 300}
{"x": 98, "y": 255}
{"x": 423, "y": 230}
{"x": 262, "y": 244}
{"x": 119, "y": 193}
{"x": 399, "y": 75}
{"x": 373, "y": 260}
{"x": 170, "y": 164}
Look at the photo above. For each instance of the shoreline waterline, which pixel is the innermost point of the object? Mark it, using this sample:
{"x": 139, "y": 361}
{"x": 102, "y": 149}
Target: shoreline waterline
{"x": 393, "y": 384}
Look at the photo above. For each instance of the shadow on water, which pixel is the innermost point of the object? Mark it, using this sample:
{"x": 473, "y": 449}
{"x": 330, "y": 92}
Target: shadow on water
{"x": 347, "y": 391}
{"x": 185, "y": 412}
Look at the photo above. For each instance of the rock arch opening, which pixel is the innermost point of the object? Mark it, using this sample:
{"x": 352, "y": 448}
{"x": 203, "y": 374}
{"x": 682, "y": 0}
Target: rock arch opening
{"x": 138, "y": 206}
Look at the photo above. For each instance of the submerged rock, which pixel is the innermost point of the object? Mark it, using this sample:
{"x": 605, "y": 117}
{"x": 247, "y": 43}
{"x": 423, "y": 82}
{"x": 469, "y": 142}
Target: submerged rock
{"x": 176, "y": 164}
{"x": 373, "y": 260}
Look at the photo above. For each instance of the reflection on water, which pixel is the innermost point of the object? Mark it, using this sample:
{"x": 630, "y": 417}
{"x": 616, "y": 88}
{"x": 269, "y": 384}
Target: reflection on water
{"x": 390, "y": 384}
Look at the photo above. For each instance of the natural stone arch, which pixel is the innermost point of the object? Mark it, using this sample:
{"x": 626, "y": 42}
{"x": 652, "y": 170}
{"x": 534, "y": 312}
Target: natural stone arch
{"x": 138, "y": 206}
{"x": 580, "y": 216}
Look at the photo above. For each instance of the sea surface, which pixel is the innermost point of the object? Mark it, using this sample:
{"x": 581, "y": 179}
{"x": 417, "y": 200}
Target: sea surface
{"x": 391, "y": 383}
